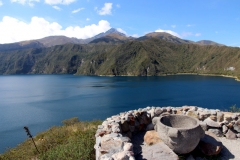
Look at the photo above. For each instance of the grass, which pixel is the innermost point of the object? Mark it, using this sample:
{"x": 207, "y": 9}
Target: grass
{"x": 73, "y": 140}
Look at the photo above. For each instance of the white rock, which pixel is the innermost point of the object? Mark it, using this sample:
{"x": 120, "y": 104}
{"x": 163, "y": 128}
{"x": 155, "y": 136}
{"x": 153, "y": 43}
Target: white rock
{"x": 128, "y": 147}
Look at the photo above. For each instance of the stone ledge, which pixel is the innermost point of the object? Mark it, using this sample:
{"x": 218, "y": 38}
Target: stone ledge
{"x": 113, "y": 137}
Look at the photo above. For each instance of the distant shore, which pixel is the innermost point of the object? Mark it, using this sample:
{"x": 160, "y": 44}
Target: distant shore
{"x": 205, "y": 74}
{"x": 200, "y": 74}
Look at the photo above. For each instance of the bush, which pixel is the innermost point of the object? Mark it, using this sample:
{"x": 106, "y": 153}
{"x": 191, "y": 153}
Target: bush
{"x": 234, "y": 108}
{"x": 70, "y": 121}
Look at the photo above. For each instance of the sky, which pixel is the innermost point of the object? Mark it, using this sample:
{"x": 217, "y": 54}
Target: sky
{"x": 216, "y": 20}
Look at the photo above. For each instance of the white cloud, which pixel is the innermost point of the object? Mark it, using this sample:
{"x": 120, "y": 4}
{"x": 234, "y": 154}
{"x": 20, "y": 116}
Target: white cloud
{"x": 135, "y": 35}
{"x": 122, "y": 31}
{"x": 14, "y": 30}
{"x": 186, "y": 34}
{"x": 106, "y": 10}
{"x": 77, "y": 10}
{"x": 87, "y": 19}
{"x": 173, "y": 26}
{"x": 1, "y": 3}
{"x": 23, "y": 2}
{"x": 190, "y": 25}
{"x": 118, "y": 5}
{"x": 198, "y": 34}
{"x": 64, "y": 2}
{"x": 57, "y": 8}
{"x": 170, "y": 32}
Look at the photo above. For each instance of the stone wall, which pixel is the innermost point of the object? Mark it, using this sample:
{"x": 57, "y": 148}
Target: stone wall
{"x": 113, "y": 137}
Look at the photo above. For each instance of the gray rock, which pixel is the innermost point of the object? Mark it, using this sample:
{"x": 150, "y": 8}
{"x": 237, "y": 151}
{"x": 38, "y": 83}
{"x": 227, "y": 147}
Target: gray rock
{"x": 213, "y": 117}
{"x": 98, "y": 141}
{"x": 110, "y": 145}
{"x": 193, "y": 114}
{"x": 152, "y": 112}
{"x": 236, "y": 126}
{"x": 100, "y": 126}
{"x": 158, "y": 111}
{"x": 124, "y": 139}
{"x": 128, "y": 146}
{"x": 212, "y": 123}
{"x": 230, "y": 134}
{"x": 210, "y": 144}
{"x": 216, "y": 131}
{"x": 235, "y": 116}
{"x": 106, "y": 157}
{"x": 228, "y": 116}
{"x": 238, "y": 135}
{"x": 116, "y": 128}
{"x": 203, "y": 125}
{"x": 148, "y": 108}
{"x": 156, "y": 152}
{"x": 193, "y": 108}
{"x": 219, "y": 116}
{"x": 224, "y": 129}
{"x": 174, "y": 111}
{"x": 150, "y": 127}
{"x": 204, "y": 114}
{"x": 124, "y": 155}
{"x": 213, "y": 112}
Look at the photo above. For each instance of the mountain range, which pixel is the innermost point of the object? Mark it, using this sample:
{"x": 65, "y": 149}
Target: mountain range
{"x": 112, "y": 36}
{"x": 113, "y": 53}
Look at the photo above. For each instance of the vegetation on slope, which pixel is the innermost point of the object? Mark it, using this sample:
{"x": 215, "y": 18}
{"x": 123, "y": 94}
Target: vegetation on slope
{"x": 147, "y": 57}
{"x": 73, "y": 140}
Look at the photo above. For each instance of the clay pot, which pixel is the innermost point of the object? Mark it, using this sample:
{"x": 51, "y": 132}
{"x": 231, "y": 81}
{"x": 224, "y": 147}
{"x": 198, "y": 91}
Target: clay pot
{"x": 181, "y": 133}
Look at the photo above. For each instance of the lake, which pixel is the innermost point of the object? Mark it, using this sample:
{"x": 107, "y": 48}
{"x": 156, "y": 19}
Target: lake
{"x": 41, "y": 101}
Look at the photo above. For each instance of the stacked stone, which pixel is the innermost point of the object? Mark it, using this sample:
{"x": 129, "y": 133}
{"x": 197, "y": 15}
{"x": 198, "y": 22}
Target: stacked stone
{"x": 220, "y": 123}
{"x": 113, "y": 137}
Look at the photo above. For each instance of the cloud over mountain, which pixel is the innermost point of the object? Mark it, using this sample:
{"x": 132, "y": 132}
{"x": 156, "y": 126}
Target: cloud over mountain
{"x": 169, "y": 31}
{"x": 14, "y": 30}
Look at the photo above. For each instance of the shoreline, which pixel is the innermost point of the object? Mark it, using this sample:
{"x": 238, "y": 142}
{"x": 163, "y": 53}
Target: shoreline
{"x": 200, "y": 74}
{"x": 205, "y": 74}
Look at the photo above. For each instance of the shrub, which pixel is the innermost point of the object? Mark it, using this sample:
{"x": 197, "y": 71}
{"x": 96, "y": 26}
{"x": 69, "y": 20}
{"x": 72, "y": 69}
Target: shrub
{"x": 234, "y": 108}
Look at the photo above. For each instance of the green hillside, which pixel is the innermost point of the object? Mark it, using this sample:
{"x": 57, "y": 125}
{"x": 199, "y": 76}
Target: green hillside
{"x": 146, "y": 57}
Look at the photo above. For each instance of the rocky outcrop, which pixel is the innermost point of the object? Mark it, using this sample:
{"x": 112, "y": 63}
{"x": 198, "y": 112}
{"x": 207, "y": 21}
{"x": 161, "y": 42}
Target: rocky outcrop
{"x": 113, "y": 137}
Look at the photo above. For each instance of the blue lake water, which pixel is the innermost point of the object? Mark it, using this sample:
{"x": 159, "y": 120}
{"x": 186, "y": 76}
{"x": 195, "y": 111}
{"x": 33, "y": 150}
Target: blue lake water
{"x": 41, "y": 101}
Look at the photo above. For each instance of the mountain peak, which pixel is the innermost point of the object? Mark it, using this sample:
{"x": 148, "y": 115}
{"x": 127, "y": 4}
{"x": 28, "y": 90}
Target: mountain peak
{"x": 113, "y": 30}
{"x": 110, "y": 31}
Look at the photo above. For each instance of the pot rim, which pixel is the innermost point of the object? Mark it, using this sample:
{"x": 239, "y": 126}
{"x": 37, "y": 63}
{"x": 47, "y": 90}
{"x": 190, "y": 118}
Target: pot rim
{"x": 181, "y": 129}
